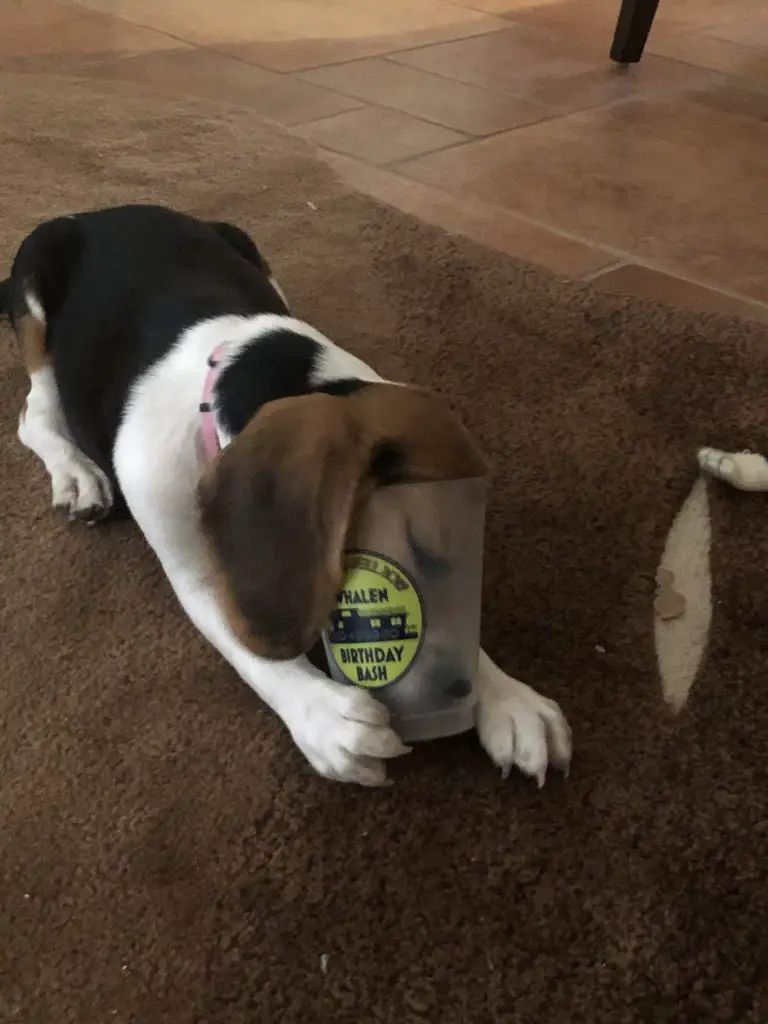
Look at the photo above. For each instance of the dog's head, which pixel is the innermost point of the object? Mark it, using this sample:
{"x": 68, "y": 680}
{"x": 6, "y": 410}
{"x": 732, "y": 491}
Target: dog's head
{"x": 278, "y": 504}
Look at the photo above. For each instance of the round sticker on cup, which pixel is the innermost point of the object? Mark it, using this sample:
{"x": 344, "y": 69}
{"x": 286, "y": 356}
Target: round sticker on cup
{"x": 378, "y": 622}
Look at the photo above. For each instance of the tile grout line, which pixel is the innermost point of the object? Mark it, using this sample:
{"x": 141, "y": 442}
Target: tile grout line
{"x": 593, "y": 275}
{"x": 468, "y": 136}
{"x": 383, "y": 166}
{"x": 361, "y": 105}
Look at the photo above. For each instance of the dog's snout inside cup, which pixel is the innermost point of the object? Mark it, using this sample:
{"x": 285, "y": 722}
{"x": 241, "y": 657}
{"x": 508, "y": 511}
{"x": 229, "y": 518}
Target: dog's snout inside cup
{"x": 406, "y": 624}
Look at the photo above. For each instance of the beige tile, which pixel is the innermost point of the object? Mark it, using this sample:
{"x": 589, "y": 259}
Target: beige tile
{"x": 571, "y": 16}
{"x": 734, "y": 96}
{"x": 490, "y": 225}
{"x": 45, "y": 35}
{"x": 511, "y": 8}
{"x": 563, "y": 72}
{"x": 288, "y": 35}
{"x": 208, "y": 75}
{"x": 597, "y": 18}
{"x": 453, "y": 104}
{"x": 718, "y": 54}
{"x": 378, "y": 136}
{"x": 652, "y": 284}
{"x": 694, "y": 14}
{"x": 672, "y": 180}
{"x": 594, "y": 19}
{"x": 748, "y": 31}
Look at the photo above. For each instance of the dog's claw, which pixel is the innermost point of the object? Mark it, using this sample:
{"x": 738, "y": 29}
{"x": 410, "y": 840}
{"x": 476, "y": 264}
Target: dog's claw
{"x": 521, "y": 728}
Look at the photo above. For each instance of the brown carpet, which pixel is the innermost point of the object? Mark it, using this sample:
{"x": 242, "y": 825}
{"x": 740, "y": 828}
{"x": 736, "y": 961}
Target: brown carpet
{"x": 165, "y": 854}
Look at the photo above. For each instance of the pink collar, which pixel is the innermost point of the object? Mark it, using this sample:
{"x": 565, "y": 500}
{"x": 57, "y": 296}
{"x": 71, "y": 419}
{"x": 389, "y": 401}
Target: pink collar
{"x": 209, "y": 431}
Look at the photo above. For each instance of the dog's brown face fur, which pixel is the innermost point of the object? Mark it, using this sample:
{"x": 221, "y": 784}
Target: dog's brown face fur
{"x": 278, "y": 503}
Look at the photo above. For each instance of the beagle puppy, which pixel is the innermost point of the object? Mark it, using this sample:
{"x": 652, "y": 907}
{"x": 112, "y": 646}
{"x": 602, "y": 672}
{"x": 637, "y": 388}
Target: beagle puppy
{"x": 169, "y": 381}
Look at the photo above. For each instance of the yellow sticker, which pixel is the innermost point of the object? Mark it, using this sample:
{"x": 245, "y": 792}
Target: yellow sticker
{"x": 378, "y": 622}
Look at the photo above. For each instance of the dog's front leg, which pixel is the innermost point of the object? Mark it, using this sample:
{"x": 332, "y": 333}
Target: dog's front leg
{"x": 518, "y": 726}
{"x": 342, "y": 731}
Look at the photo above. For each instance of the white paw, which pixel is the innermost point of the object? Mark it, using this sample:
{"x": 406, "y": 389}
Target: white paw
{"x": 79, "y": 487}
{"x": 344, "y": 733}
{"x": 517, "y": 726}
{"x": 746, "y": 471}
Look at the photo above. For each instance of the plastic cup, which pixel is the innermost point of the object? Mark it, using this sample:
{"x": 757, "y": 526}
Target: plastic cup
{"x": 406, "y": 624}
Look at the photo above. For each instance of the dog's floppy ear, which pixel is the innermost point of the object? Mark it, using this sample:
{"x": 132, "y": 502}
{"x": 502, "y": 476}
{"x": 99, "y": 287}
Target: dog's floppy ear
{"x": 277, "y": 504}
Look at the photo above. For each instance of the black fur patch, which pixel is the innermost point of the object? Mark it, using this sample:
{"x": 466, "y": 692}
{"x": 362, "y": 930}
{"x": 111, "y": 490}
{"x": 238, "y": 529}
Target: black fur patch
{"x": 118, "y": 287}
{"x": 279, "y": 365}
{"x": 343, "y": 386}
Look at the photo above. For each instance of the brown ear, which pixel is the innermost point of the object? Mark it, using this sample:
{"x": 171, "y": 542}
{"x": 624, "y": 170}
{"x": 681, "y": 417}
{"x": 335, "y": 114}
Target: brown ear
{"x": 277, "y": 504}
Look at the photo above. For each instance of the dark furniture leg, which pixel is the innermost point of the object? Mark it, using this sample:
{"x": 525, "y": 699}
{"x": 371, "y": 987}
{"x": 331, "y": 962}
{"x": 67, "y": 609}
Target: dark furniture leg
{"x": 632, "y": 30}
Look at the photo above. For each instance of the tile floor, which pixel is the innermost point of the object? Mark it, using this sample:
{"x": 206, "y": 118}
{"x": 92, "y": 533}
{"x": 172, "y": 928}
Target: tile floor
{"x": 500, "y": 119}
